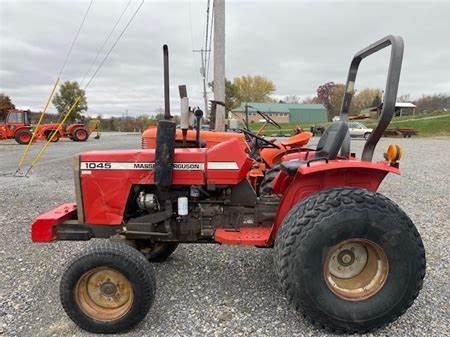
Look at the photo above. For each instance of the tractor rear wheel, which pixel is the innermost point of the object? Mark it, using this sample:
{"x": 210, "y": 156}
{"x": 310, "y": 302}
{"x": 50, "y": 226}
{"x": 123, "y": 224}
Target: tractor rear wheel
{"x": 156, "y": 251}
{"x": 351, "y": 260}
{"x": 109, "y": 288}
{"x": 80, "y": 135}
{"x": 23, "y": 137}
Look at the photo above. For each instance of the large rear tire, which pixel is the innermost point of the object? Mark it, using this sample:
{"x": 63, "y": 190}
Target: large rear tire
{"x": 109, "y": 288}
{"x": 351, "y": 260}
{"x": 23, "y": 137}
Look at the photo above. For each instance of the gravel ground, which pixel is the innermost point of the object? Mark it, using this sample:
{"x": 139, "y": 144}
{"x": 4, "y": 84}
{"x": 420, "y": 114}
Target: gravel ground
{"x": 206, "y": 290}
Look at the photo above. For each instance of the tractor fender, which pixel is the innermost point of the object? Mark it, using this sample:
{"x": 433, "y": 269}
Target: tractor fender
{"x": 320, "y": 176}
{"x": 72, "y": 127}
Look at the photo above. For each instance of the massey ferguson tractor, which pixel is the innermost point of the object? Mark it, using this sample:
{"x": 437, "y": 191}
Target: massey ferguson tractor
{"x": 15, "y": 124}
{"x": 346, "y": 256}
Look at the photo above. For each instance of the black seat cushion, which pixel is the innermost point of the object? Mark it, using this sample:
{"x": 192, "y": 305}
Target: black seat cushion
{"x": 328, "y": 147}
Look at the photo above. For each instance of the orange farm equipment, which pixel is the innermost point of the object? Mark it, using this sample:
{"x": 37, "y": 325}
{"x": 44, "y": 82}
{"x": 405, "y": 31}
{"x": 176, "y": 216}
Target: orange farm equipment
{"x": 15, "y": 124}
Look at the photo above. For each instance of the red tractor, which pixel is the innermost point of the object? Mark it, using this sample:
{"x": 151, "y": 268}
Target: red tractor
{"x": 15, "y": 124}
{"x": 346, "y": 256}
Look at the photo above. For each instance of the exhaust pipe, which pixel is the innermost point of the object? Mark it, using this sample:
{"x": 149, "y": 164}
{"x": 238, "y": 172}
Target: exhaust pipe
{"x": 167, "y": 115}
{"x": 165, "y": 135}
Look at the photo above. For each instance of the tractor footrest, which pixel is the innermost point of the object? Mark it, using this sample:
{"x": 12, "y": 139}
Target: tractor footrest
{"x": 246, "y": 236}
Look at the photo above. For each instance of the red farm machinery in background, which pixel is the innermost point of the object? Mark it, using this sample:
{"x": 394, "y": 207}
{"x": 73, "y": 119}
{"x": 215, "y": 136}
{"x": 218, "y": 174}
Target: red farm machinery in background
{"x": 346, "y": 256}
{"x": 15, "y": 124}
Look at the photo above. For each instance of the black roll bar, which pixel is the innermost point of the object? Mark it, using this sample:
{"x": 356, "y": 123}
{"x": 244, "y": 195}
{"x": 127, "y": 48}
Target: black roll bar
{"x": 390, "y": 92}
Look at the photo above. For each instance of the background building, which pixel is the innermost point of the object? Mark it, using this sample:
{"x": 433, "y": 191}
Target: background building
{"x": 283, "y": 112}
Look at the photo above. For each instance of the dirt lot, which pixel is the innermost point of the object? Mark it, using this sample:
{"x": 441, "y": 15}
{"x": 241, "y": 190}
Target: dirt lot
{"x": 205, "y": 290}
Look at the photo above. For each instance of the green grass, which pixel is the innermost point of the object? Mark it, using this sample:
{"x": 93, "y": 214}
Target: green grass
{"x": 438, "y": 126}
{"x": 426, "y": 127}
{"x": 286, "y": 128}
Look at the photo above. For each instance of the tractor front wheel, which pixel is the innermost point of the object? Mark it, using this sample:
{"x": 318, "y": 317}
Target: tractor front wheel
{"x": 265, "y": 188}
{"x": 23, "y": 137}
{"x": 109, "y": 288}
{"x": 80, "y": 135}
{"x": 351, "y": 260}
{"x": 55, "y": 137}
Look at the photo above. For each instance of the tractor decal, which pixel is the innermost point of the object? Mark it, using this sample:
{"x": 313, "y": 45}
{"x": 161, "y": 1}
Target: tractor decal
{"x": 150, "y": 166}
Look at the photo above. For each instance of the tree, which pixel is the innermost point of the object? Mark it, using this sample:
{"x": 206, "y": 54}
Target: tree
{"x": 64, "y": 99}
{"x": 404, "y": 98}
{"x": 231, "y": 99}
{"x": 5, "y": 103}
{"x": 376, "y": 101}
{"x": 324, "y": 93}
{"x": 311, "y": 100}
{"x": 291, "y": 99}
{"x": 253, "y": 89}
{"x": 432, "y": 103}
{"x": 335, "y": 100}
{"x": 365, "y": 99}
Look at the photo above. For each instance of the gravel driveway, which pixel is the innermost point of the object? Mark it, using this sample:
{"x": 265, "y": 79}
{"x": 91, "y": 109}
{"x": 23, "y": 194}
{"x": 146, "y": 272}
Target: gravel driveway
{"x": 206, "y": 290}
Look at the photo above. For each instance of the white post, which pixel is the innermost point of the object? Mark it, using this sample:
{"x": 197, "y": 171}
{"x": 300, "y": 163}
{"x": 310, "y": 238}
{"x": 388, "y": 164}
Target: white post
{"x": 219, "y": 62}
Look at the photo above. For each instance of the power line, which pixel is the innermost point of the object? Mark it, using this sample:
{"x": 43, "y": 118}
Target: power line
{"x": 114, "y": 45}
{"x": 75, "y": 39}
{"x": 105, "y": 42}
{"x": 210, "y": 41}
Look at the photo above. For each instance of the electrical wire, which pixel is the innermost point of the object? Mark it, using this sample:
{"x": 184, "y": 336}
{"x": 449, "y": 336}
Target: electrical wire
{"x": 105, "y": 42}
{"x": 114, "y": 45}
{"x": 75, "y": 103}
{"x": 75, "y": 39}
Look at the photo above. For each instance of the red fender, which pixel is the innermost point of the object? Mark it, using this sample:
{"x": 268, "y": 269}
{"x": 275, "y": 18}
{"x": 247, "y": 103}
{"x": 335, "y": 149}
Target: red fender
{"x": 320, "y": 176}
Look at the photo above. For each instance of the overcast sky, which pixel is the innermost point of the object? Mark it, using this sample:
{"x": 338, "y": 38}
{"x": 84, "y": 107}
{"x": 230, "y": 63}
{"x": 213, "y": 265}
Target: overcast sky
{"x": 298, "y": 45}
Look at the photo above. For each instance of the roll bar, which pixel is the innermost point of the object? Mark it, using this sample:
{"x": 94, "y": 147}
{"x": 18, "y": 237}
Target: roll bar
{"x": 390, "y": 92}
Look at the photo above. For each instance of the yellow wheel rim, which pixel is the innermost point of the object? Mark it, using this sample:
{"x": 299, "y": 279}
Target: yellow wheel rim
{"x": 356, "y": 269}
{"x": 104, "y": 294}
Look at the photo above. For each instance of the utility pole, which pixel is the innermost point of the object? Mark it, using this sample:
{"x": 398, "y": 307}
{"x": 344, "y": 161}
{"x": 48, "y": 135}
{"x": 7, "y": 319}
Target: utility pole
{"x": 219, "y": 62}
{"x": 203, "y": 54}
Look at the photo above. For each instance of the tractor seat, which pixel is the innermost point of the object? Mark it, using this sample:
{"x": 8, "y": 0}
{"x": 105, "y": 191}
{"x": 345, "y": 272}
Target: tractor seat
{"x": 328, "y": 147}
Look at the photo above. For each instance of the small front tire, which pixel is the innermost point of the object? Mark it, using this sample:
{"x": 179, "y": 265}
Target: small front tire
{"x": 55, "y": 137}
{"x": 109, "y": 288}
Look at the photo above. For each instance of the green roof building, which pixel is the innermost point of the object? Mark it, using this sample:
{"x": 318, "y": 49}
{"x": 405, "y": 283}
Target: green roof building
{"x": 286, "y": 112}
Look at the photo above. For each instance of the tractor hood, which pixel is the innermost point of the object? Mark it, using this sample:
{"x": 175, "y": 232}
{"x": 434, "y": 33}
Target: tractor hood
{"x": 104, "y": 179}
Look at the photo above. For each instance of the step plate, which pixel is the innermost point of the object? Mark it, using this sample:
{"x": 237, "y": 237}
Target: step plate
{"x": 247, "y": 236}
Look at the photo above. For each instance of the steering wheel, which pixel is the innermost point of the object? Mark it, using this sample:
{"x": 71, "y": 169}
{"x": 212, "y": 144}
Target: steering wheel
{"x": 268, "y": 119}
{"x": 256, "y": 139}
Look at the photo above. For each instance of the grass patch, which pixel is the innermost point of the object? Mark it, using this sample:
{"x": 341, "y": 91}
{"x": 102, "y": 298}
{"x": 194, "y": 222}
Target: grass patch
{"x": 439, "y": 125}
{"x": 426, "y": 127}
